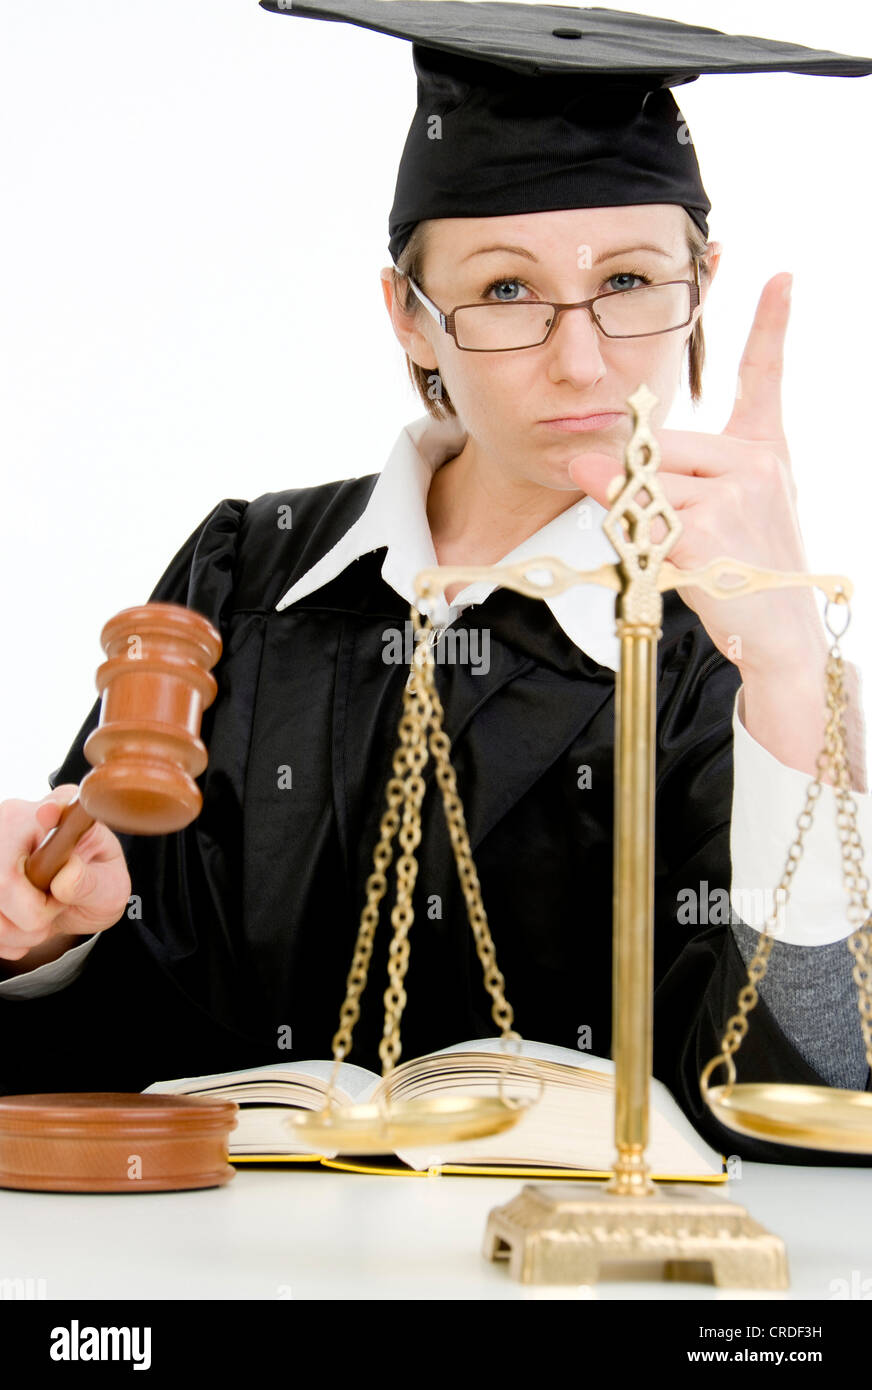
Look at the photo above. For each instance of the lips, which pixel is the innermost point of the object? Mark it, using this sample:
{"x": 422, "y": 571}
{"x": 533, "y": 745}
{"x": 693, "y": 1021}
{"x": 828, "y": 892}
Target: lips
{"x": 584, "y": 424}
{"x": 587, "y": 415}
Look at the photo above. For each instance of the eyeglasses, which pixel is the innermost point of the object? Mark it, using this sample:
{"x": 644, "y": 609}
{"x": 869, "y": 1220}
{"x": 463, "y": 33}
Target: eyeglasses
{"x": 505, "y": 327}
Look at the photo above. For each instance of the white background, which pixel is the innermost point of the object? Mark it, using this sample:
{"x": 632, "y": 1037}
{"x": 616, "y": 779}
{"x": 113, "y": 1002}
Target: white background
{"x": 195, "y": 197}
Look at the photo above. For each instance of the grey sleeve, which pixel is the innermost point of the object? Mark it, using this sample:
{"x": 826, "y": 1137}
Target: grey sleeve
{"x": 49, "y": 978}
{"x": 811, "y": 992}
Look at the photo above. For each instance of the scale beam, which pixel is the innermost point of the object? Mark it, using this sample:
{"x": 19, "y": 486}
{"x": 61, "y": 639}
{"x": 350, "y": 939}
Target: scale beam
{"x": 740, "y": 578}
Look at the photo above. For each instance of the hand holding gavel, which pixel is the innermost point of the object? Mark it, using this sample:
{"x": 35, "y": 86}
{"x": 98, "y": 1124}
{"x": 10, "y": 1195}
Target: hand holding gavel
{"x": 146, "y": 752}
{"x": 88, "y": 893}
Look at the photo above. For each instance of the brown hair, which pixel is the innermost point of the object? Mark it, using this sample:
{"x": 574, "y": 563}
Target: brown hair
{"x": 427, "y": 382}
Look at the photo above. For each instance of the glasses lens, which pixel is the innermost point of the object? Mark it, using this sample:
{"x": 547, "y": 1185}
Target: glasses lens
{"x": 648, "y": 309}
{"x": 625, "y": 314}
{"x": 495, "y": 326}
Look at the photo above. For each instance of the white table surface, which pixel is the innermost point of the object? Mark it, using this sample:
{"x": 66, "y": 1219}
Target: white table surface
{"x": 292, "y": 1233}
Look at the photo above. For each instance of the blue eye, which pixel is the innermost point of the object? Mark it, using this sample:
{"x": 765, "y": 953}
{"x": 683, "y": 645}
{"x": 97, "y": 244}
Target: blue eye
{"x": 495, "y": 284}
{"x": 629, "y": 275}
{"x": 509, "y": 280}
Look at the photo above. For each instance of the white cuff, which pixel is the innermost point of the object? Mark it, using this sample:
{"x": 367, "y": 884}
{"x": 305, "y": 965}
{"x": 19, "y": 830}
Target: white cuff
{"x": 54, "y": 975}
{"x": 767, "y": 798}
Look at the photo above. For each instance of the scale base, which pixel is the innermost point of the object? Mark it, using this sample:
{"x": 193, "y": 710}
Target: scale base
{"x": 565, "y": 1233}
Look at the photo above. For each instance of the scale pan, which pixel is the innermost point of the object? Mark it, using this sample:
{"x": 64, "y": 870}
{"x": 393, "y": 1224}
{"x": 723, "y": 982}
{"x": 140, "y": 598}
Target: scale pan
{"x": 813, "y": 1117}
{"x": 358, "y": 1129}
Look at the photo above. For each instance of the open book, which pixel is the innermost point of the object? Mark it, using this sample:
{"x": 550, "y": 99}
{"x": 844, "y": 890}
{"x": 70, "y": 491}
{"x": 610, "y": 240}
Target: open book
{"x": 569, "y": 1132}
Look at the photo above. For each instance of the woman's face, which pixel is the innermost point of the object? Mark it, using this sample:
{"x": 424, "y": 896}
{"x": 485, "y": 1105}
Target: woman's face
{"x": 504, "y": 398}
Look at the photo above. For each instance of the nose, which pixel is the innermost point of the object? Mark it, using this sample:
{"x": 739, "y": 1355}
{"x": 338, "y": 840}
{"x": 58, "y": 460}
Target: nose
{"x": 575, "y": 348}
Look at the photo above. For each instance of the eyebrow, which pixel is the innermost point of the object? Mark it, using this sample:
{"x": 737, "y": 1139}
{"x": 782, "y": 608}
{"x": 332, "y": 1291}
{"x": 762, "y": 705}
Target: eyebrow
{"x": 606, "y": 256}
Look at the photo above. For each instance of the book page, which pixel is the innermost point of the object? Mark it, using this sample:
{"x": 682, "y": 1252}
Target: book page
{"x": 570, "y": 1126}
{"x": 270, "y": 1082}
{"x": 545, "y": 1052}
{"x": 573, "y": 1130}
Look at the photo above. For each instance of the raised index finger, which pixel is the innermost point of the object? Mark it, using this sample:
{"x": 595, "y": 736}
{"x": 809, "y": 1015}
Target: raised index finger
{"x": 757, "y": 409}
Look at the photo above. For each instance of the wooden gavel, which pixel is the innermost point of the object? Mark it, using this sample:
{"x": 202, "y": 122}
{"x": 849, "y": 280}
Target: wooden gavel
{"x": 146, "y": 750}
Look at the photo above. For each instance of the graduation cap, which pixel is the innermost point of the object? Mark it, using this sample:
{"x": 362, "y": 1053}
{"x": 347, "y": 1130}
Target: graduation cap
{"x": 526, "y": 108}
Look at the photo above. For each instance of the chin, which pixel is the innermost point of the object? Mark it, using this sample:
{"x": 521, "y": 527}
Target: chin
{"x": 559, "y": 479}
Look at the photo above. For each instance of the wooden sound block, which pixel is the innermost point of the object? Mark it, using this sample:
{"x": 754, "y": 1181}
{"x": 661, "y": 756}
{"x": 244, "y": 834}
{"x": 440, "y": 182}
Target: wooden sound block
{"x": 111, "y": 1141}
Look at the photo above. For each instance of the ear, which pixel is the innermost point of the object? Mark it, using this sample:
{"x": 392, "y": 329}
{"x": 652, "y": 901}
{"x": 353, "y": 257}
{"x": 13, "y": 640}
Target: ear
{"x": 712, "y": 259}
{"x": 405, "y": 326}
{"x": 387, "y": 287}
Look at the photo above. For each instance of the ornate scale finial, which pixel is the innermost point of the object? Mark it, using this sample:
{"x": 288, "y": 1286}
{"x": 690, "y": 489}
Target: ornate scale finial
{"x": 640, "y": 601}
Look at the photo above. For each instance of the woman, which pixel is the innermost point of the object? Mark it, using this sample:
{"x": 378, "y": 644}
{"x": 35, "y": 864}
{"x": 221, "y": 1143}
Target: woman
{"x": 237, "y": 933}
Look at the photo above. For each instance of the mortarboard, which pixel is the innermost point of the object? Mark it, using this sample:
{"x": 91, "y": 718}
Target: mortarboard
{"x": 526, "y": 107}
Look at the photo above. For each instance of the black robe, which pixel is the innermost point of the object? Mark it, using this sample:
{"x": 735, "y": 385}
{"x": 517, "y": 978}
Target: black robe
{"x": 249, "y": 916}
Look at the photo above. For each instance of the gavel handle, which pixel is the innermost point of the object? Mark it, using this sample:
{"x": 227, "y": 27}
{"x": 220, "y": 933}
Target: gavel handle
{"x": 58, "y": 845}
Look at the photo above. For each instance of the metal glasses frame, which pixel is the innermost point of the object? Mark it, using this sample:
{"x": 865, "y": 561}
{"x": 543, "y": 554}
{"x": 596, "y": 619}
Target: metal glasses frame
{"x": 446, "y": 320}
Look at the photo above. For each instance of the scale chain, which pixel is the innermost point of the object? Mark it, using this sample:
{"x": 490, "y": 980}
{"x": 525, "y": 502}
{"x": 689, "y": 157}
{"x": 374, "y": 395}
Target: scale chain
{"x": 855, "y": 881}
{"x": 422, "y": 710}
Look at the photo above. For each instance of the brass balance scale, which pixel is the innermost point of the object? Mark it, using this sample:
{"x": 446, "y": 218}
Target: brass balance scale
{"x": 563, "y": 1233}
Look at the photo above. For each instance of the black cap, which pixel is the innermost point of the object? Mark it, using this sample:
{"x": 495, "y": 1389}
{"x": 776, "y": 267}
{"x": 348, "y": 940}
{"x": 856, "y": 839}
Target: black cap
{"x": 527, "y": 108}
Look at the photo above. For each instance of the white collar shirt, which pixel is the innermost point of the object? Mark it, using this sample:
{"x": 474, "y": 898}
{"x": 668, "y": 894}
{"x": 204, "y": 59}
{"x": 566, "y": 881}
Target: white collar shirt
{"x": 396, "y": 517}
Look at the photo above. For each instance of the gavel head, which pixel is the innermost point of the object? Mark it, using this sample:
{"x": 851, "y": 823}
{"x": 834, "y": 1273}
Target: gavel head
{"x": 146, "y": 750}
